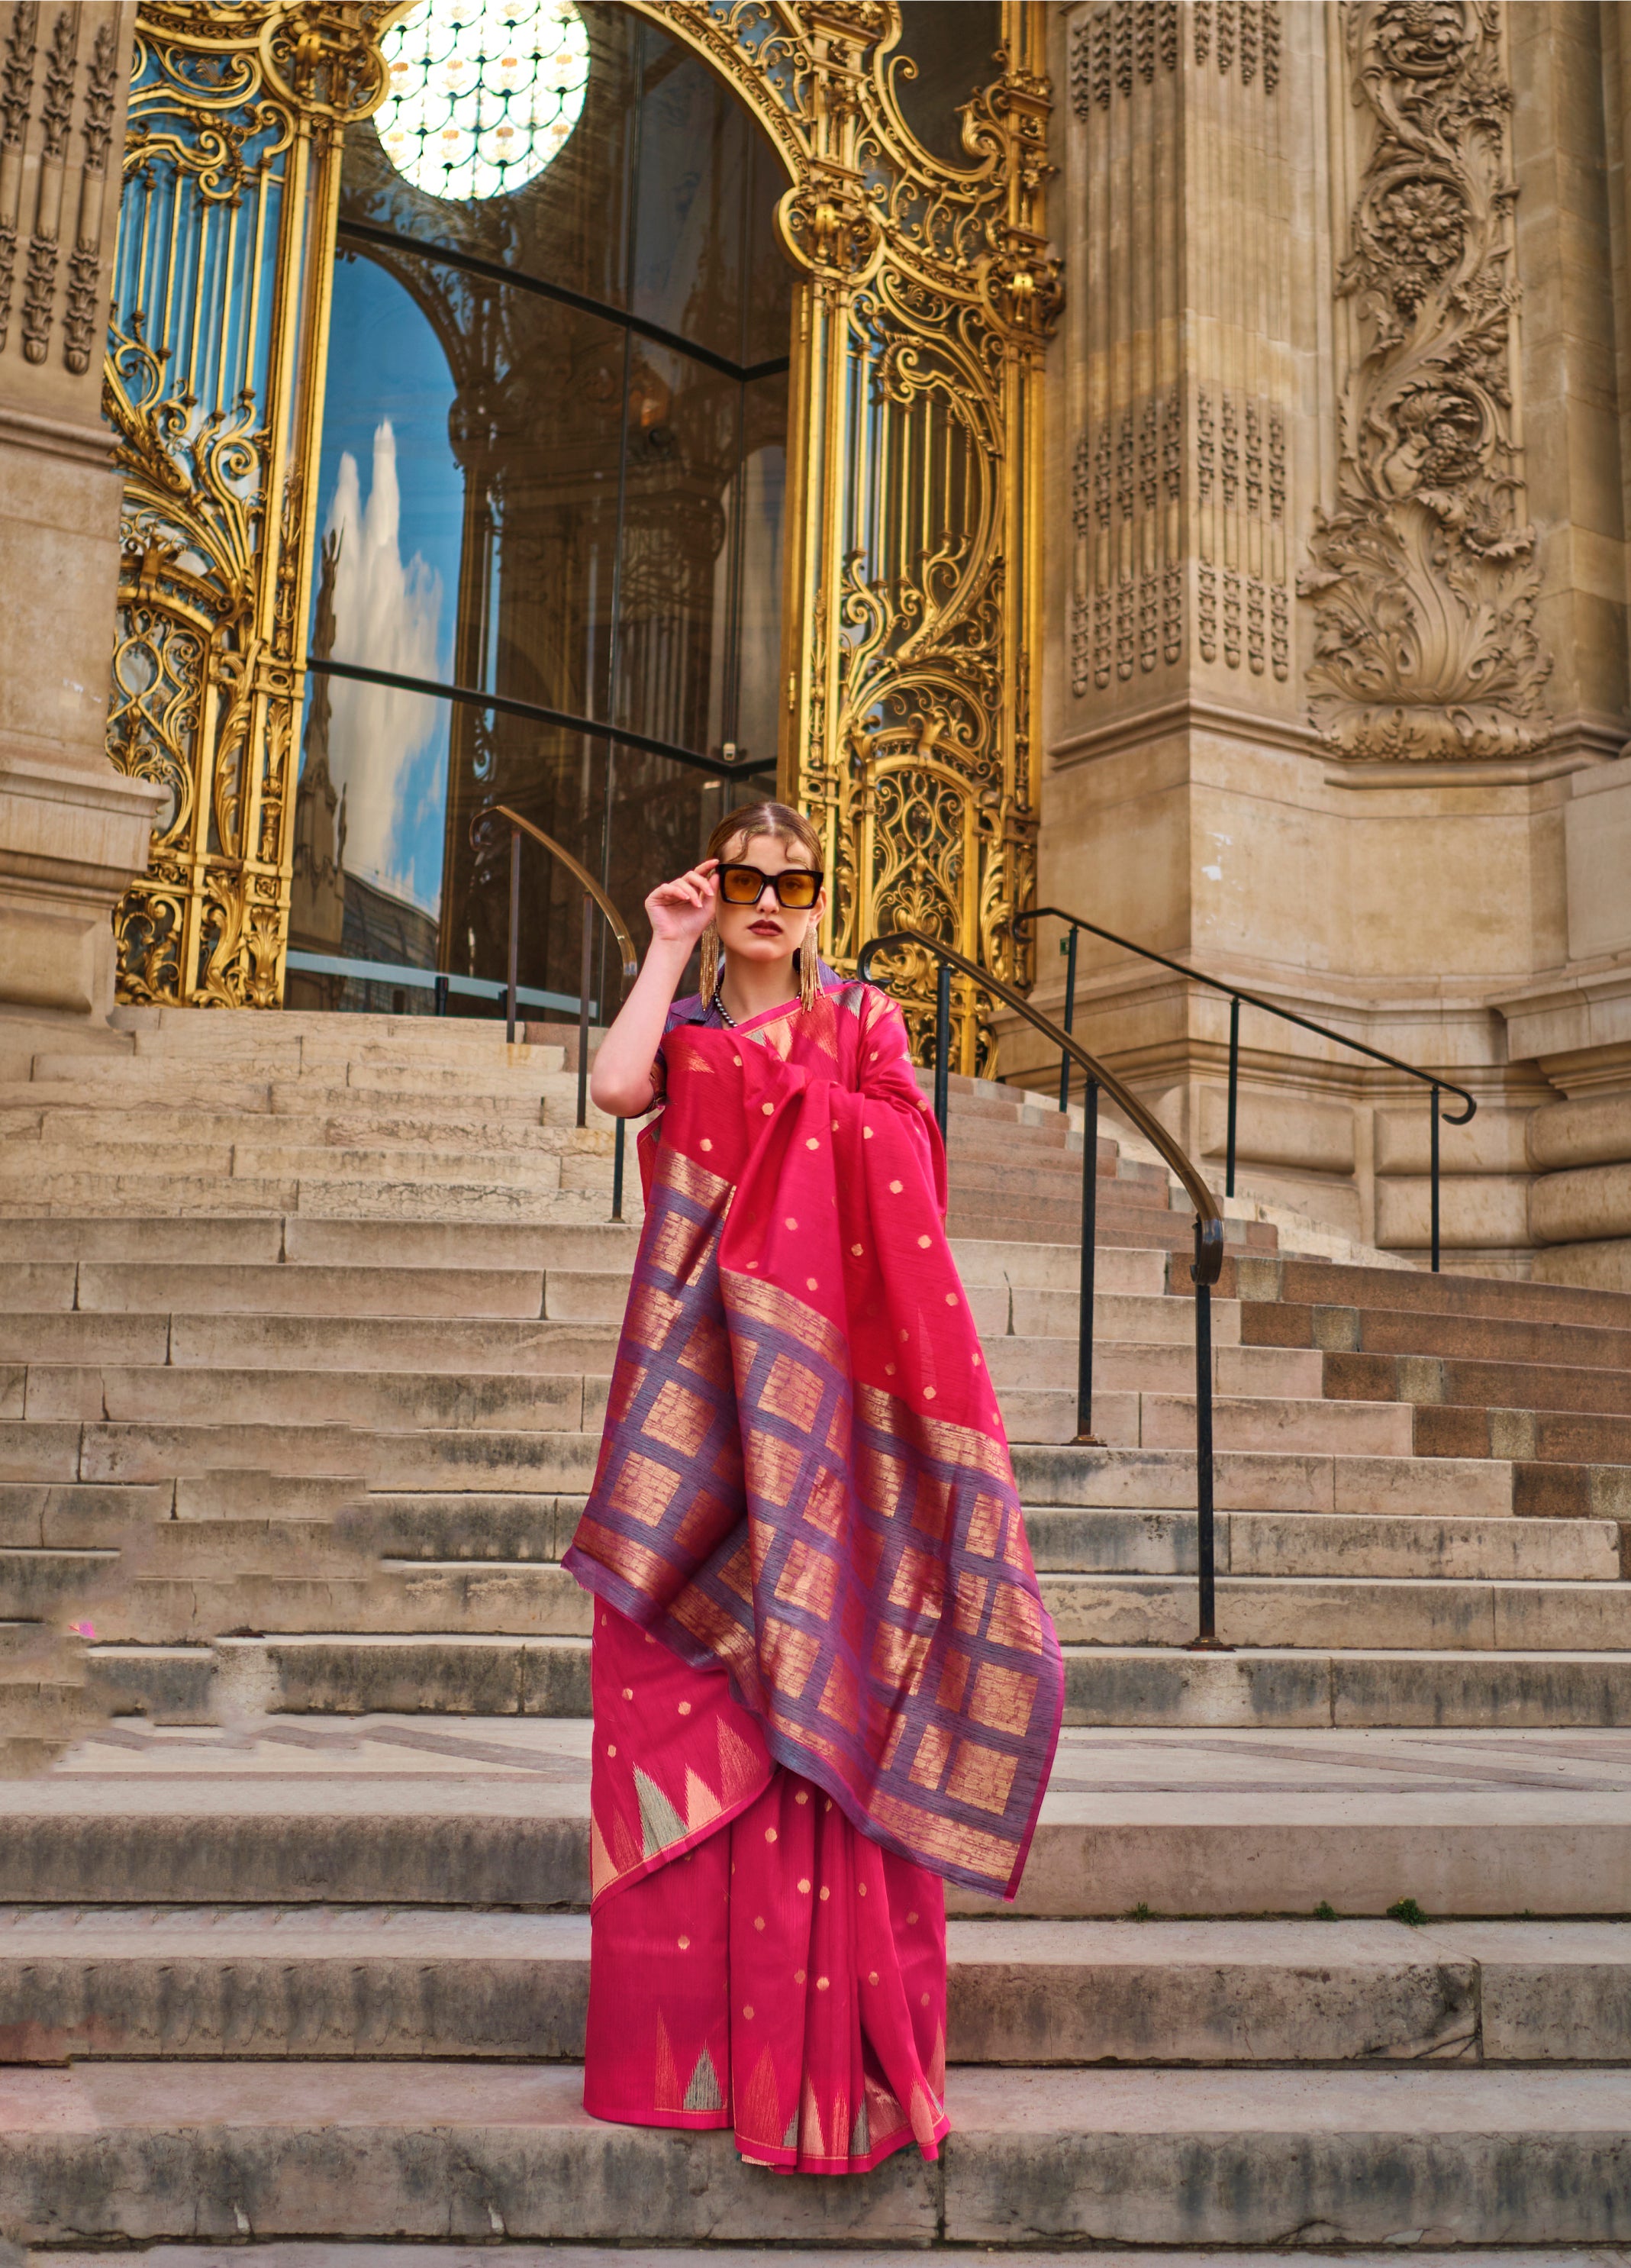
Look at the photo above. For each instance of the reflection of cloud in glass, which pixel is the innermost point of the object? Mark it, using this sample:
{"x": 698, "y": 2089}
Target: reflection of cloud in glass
{"x": 385, "y": 745}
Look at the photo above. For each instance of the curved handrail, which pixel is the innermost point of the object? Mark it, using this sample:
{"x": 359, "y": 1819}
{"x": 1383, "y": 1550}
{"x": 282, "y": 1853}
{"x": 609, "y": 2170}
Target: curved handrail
{"x": 1286, "y": 1015}
{"x": 1208, "y": 1219}
{"x": 619, "y": 926}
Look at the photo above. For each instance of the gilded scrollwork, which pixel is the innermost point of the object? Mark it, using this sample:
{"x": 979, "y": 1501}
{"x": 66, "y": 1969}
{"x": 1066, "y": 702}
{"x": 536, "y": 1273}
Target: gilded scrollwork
{"x": 231, "y": 168}
{"x": 1424, "y": 577}
{"x": 930, "y": 292}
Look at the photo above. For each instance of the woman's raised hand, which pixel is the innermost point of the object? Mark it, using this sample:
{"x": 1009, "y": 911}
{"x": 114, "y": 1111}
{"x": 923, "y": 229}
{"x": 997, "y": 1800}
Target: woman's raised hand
{"x": 679, "y": 912}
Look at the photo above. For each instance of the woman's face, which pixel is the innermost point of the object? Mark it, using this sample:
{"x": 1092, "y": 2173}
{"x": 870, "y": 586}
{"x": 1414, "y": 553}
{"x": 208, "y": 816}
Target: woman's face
{"x": 769, "y": 931}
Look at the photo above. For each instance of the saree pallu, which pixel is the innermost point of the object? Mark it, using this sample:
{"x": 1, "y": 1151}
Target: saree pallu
{"x": 804, "y": 1513}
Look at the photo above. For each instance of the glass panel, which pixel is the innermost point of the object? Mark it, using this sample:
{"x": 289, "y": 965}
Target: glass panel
{"x": 707, "y": 175}
{"x": 368, "y": 847}
{"x": 568, "y": 225}
{"x": 953, "y": 44}
{"x": 531, "y": 498}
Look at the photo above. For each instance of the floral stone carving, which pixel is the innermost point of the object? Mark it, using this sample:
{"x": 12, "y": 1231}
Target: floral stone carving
{"x": 1424, "y": 577}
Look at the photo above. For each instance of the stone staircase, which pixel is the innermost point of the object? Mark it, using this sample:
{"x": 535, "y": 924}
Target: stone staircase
{"x": 306, "y": 1329}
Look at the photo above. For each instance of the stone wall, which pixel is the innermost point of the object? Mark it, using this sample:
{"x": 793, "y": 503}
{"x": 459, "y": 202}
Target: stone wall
{"x": 72, "y": 830}
{"x": 1337, "y": 677}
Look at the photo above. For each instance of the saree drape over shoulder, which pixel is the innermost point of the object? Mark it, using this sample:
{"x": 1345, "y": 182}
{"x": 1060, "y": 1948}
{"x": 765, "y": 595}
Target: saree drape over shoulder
{"x": 816, "y": 1591}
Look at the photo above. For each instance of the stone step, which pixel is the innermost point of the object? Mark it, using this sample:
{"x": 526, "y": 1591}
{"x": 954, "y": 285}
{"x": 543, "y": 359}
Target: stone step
{"x": 133, "y": 1451}
{"x": 1150, "y": 1319}
{"x": 265, "y": 1240}
{"x": 37, "y": 1287}
{"x": 1539, "y": 1436}
{"x": 1412, "y": 1331}
{"x": 1139, "y": 1271}
{"x": 359, "y": 1981}
{"x": 581, "y": 1199}
{"x": 172, "y": 1098}
{"x": 199, "y": 1288}
{"x": 295, "y": 2254}
{"x": 1417, "y": 1378}
{"x": 43, "y": 1585}
{"x": 301, "y": 1340}
{"x": 141, "y": 2151}
{"x": 1239, "y": 1421}
{"x": 442, "y": 1526}
{"x": 1324, "y": 1283}
{"x": 1267, "y": 1481}
{"x": 269, "y": 1160}
{"x": 1069, "y": 1540}
{"x": 1347, "y": 1612}
{"x": 67, "y": 1516}
{"x": 448, "y": 1134}
{"x": 347, "y": 1673}
{"x": 505, "y": 1401}
{"x": 147, "y": 1451}
{"x": 426, "y": 1810}
{"x": 1119, "y": 1365}
{"x": 1272, "y": 1544}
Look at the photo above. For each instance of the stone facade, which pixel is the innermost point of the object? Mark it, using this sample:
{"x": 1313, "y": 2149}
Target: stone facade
{"x": 1336, "y": 687}
{"x": 1339, "y": 435}
{"x": 72, "y": 831}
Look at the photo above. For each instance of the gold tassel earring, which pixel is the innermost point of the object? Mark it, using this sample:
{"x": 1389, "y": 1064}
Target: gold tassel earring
{"x": 809, "y": 969}
{"x": 708, "y": 967}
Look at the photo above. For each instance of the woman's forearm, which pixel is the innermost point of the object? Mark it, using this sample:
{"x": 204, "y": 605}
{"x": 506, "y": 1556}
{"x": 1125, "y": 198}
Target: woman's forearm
{"x": 620, "y": 1080}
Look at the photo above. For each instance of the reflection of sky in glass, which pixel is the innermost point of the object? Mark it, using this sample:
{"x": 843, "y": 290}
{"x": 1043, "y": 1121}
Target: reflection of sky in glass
{"x": 392, "y": 492}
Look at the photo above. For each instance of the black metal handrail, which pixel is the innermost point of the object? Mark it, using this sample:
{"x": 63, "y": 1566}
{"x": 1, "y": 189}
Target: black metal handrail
{"x": 484, "y": 830}
{"x": 1209, "y": 1258}
{"x": 1287, "y": 1016}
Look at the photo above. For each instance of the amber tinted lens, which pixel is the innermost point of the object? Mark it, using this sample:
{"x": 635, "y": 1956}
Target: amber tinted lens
{"x": 797, "y": 888}
{"x": 740, "y": 886}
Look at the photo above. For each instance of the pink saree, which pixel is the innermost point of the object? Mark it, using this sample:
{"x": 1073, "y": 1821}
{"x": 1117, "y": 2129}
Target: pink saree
{"x": 824, "y": 1680}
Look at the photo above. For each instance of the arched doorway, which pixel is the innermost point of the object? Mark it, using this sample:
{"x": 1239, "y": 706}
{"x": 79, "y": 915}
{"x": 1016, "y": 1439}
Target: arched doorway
{"x": 553, "y": 475}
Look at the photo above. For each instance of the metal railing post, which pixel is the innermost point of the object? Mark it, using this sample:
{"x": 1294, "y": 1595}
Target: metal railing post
{"x": 514, "y": 930}
{"x": 1085, "y": 1436}
{"x": 1434, "y": 1152}
{"x": 1064, "y": 1060}
{"x": 584, "y": 972}
{"x": 1234, "y": 1088}
{"x": 617, "y": 1170}
{"x": 943, "y": 1045}
{"x": 1205, "y": 1639}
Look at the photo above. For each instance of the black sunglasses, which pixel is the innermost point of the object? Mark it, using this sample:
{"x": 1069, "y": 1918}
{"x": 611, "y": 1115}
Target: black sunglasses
{"x": 795, "y": 887}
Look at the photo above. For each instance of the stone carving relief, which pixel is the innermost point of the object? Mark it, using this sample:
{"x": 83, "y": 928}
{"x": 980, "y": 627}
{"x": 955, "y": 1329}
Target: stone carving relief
{"x": 17, "y": 87}
{"x": 1243, "y": 608}
{"x": 1127, "y": 501}
{"x": 38, "y": 85}
{"x": 1122, "y": 43}
{"x": 1243, "y": 34}
{"x": 55, "y": 109}
{"x": 1423, "y": 578}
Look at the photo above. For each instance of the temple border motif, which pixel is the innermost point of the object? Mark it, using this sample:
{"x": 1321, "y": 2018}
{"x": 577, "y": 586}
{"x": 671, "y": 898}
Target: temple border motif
{"x": 912, "y": 627}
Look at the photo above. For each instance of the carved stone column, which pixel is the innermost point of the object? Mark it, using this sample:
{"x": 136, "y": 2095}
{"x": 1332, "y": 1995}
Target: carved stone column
{"x": 72, "y": 831}
{"x": 1337, "y": 638}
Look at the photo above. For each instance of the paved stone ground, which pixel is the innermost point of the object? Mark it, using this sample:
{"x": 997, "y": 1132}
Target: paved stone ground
{"x": 574, "y": 2255}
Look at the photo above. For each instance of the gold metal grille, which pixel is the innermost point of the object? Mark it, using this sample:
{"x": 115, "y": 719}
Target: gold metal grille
{"x": 912, "y": 620}
{"x": 214, "y": 386}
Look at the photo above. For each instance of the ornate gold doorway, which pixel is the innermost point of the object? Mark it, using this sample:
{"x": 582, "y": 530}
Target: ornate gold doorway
{"x": 912, "y": 219}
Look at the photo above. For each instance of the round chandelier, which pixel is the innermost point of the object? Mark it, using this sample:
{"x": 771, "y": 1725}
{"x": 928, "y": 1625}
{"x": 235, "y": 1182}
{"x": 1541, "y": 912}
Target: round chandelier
{"x": 483, "y": 92}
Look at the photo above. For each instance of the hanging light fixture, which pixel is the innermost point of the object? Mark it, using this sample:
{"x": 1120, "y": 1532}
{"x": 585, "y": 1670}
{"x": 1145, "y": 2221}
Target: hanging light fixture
{"x": 483, "y": 92}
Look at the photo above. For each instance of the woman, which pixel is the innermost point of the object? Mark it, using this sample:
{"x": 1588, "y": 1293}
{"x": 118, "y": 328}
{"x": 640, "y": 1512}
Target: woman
{"x": 822, "y": 1676}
